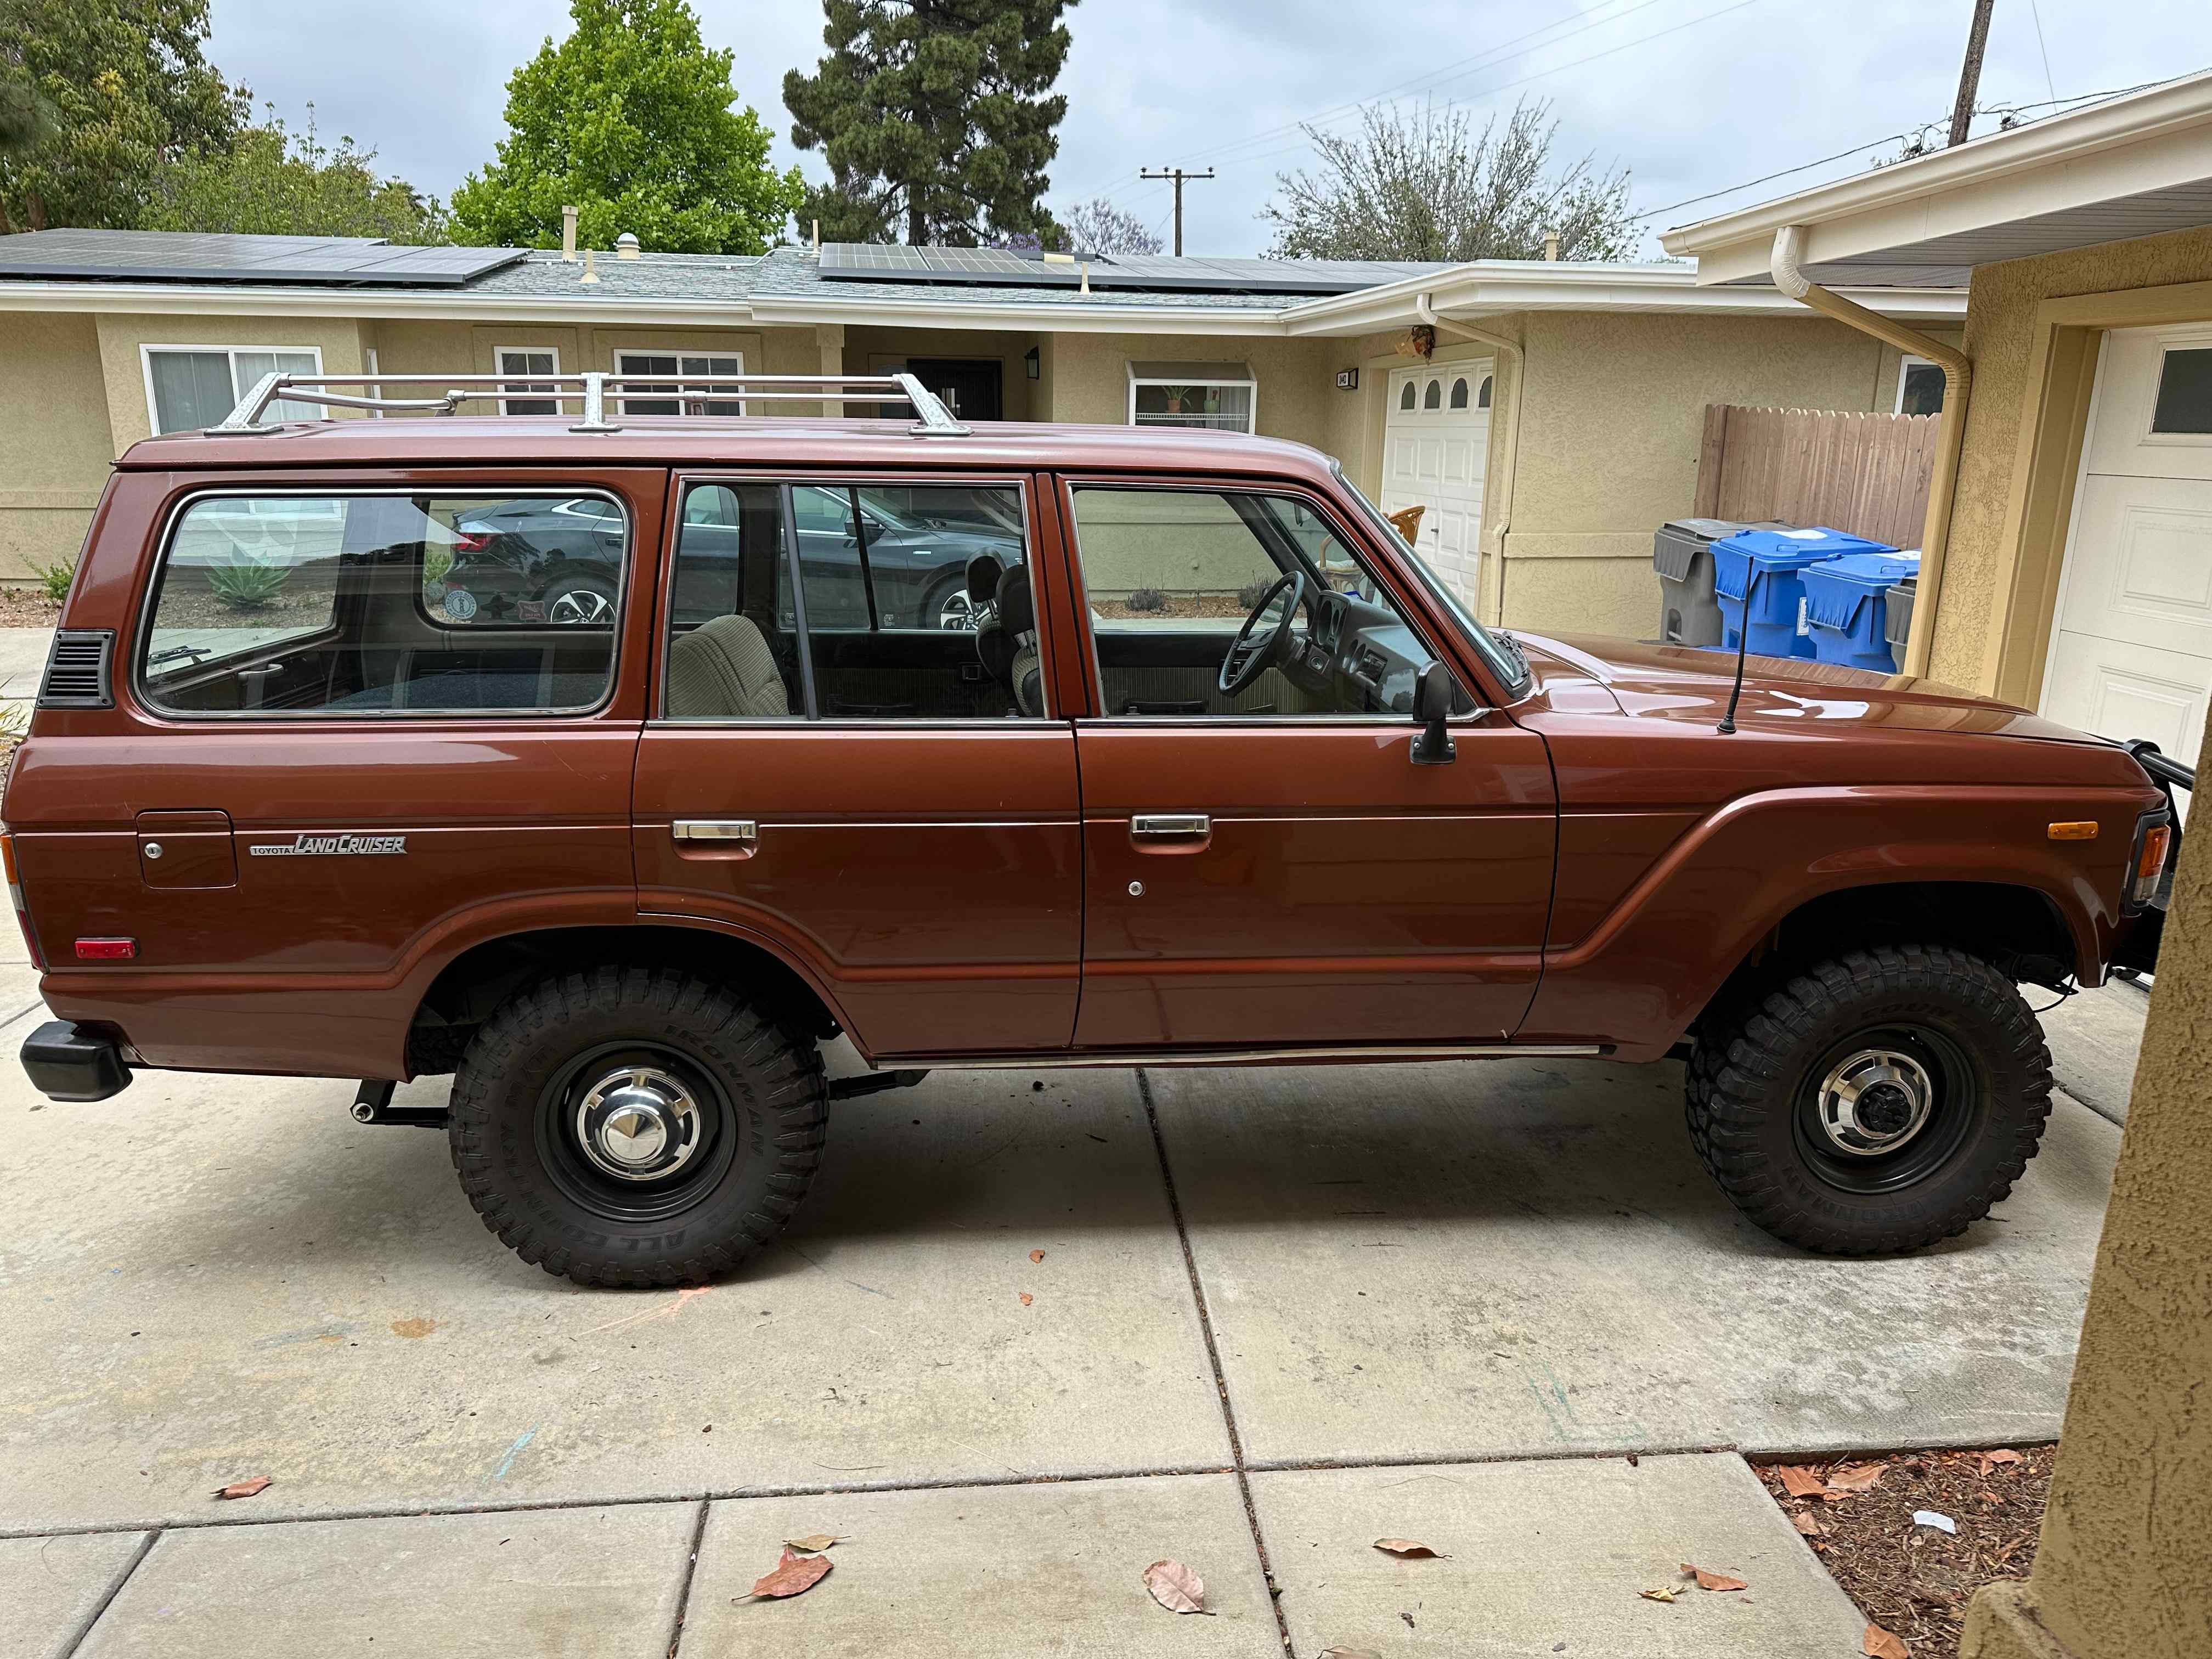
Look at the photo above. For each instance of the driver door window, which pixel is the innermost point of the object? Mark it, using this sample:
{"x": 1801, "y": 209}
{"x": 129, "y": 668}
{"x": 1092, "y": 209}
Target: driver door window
{"x": 1228, "y": 603}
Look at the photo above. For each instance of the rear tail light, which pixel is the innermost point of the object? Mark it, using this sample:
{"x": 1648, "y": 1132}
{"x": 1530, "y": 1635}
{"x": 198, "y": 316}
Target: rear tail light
{"x": 2154, "y": 844}
{"x": 15, "y": 897}
{"x": 471, "y": 541}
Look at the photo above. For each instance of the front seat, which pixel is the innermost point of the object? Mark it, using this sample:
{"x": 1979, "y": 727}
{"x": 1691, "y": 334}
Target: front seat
{"x": 723, "y": 670}
{"x": 1024, "y": 676}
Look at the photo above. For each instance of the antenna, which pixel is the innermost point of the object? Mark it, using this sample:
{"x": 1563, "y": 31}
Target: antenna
{"x": 1742, "y": 645}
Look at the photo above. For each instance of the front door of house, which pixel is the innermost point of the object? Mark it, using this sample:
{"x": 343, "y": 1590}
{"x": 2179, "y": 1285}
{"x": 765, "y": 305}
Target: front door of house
{"x": 1436, "y": 447}
{"x": 969, "y": 386}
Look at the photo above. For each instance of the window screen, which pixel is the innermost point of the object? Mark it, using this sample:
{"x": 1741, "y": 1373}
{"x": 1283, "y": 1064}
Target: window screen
{"x": 288, "y": 605}
{"x": 912, "y": 604}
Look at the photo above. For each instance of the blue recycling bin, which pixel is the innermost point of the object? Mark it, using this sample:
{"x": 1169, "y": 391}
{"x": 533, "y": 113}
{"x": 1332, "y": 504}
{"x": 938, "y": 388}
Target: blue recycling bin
{"x": 1847, "y": 607}
{"x": 1766, "y": 565}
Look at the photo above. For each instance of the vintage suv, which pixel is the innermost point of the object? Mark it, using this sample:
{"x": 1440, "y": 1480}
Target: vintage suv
{"x": 1224, "y": 776}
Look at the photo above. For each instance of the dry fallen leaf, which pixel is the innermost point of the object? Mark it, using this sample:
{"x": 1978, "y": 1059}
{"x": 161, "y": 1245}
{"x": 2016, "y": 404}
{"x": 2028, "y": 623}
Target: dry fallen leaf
{"x": 1037, "y": 1255}
{"x": 1350, "y": 1653}
{"x": 1713, "y": 1581}
{"x": 1026, "y": 1298}
{"x": 1809, "y": 1524}
{"x": 1990, "y": 1459}
{"x": 815, "y": 1542}
{"x": 793, "y": 1575}
{"x": 1879, "y": 1644}
{"x": 1175, "y": 1587}
{"x": 1858, "y": 1477}
{"x": 245, "y": 1488}
{"x": 1800, "y": 1482}
{"x": 1410, "y": 1550}
{"x": 1664, "y": 1592}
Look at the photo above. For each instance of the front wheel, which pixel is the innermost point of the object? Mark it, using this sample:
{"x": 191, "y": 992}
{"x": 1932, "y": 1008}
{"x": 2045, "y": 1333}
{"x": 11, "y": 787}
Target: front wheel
{"x": 631, "y": 1126}
{"x": 1874, "y": 1104}
{"x": 580, "y": 602}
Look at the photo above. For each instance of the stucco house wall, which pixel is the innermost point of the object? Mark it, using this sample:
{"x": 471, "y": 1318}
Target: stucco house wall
{"x": 54, "y": 438}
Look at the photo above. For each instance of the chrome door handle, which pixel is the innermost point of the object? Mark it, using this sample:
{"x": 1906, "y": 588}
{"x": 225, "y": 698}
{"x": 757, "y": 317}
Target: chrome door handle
{"x": 260, "y": 673}
{"x": 715, "y": 829}
{"x": 1179, "y": 826}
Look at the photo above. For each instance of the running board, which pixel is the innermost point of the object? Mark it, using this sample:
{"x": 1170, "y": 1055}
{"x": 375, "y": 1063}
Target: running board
{"x": 1093, "y": 1059}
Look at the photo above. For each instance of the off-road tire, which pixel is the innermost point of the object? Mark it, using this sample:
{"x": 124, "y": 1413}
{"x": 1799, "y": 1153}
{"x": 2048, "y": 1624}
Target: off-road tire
{"x": 773, "y": 1098}
{"x": 1752, "y": 1068}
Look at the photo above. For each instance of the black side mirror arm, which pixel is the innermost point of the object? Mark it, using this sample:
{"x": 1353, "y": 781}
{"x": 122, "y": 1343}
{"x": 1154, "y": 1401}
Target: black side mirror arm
{"x": 1432, "y": 702}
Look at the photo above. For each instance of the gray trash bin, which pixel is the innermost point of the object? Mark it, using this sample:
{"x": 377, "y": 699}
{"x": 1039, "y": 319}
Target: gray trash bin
{"x": 1897, "y": 613}
{"x": 1689, "y": 612}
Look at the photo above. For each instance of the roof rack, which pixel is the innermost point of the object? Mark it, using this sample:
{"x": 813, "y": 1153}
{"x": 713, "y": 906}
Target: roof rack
{"x": 589, "y": 391}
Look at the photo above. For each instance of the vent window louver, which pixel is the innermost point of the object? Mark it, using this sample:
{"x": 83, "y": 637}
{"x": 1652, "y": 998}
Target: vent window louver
{"x": 77, "y": 671}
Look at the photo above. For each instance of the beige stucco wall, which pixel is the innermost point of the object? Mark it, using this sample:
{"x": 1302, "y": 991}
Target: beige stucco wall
{"x": 430, "y": 348}
{"x": 54, "y": 441}
{"x": 1090, "y": 378}
{"x": 2000, "y": 336}
{"x": 122, "y": 367}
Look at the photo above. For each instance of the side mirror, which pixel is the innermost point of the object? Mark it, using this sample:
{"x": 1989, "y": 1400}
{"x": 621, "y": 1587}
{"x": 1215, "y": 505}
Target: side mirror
{"x": 1433, "y": 705}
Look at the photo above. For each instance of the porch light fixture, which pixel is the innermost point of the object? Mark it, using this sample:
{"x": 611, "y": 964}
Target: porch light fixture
{"x": 1032, "y": 363}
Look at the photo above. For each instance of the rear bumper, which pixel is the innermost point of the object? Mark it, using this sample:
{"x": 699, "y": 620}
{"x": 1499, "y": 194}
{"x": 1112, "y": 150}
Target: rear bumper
{"x": 68, "y": 1062}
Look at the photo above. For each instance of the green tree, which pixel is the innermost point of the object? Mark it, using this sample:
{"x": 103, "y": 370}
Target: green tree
{"x": 1428, "y": 186}
{"x": 936, "y": 117}
{"x": 273, "y": 182}
{"x": 630, "y": 119}
{"x": 98, "y": 94}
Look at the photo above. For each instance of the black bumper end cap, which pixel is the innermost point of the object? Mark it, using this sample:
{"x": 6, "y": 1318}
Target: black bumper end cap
{"x": 67, "y": 1063}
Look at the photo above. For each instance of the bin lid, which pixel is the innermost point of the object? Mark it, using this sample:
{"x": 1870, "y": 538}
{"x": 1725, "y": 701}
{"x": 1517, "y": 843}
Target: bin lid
{"x": 1876, "y": 570}
{"x": 1707, "y": 530}
{"x": 1793, "y": 549}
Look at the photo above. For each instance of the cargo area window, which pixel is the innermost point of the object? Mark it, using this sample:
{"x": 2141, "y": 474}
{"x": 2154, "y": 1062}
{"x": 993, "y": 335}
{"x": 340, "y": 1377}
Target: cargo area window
{"x": 911, "y": 602}
{"x": 279, "y": 605}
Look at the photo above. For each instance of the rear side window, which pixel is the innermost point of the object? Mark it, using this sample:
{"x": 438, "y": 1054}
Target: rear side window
{"x": 277, "y": 605}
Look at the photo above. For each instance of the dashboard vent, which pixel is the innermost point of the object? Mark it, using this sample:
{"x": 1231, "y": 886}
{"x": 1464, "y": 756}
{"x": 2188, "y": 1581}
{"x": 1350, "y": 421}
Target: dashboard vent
{"x": 78, "y": 669}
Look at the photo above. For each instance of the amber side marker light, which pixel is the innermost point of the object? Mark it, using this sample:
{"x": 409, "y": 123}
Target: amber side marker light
{"x": 106, "y": 950}
{"x": 15, "y": 897}
{"x": 2157, "y": 841}
{"x": 2083, "y": 830}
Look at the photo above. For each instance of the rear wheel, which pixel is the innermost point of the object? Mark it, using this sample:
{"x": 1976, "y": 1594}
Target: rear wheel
{"x": 1874, "y": 1104}
{"x": 630, "y": 1127}
{"x": 579, "y": 602}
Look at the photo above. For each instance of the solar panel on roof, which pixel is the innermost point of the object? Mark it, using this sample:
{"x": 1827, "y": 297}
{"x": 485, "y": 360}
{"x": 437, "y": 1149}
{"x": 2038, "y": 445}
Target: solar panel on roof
{"x": 193, "y": 256}
{"x": 1000, "y": 267}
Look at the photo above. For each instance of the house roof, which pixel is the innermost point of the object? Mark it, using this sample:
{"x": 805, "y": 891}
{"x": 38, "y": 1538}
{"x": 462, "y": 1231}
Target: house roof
{"x": 787, "y": 287}
{"x": 2133, "y": 166}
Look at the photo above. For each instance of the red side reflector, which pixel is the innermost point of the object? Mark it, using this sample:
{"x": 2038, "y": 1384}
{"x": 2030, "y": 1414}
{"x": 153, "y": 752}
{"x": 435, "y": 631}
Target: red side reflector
{"x": 106, "y": 950}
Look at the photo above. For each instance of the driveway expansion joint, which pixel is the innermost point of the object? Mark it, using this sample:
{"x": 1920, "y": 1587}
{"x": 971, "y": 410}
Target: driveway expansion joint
{"x": 138, "y": 1558}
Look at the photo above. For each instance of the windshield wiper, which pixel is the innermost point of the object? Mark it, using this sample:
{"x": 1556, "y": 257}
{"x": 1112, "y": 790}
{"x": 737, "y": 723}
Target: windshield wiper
{"x": 195, "y": 651}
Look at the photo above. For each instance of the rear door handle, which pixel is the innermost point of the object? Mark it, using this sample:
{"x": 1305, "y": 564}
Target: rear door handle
{"x": 716, "y": 829}
{"x": 1171, "y": 826}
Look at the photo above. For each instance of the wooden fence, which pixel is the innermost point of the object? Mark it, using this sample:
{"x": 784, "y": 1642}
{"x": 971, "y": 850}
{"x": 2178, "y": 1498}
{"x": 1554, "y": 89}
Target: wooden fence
{"x": 1867, "y": 474}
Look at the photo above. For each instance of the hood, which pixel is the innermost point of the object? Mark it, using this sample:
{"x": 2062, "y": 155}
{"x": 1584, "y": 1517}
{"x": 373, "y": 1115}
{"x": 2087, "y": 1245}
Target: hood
{"x": 1581, "y": 675}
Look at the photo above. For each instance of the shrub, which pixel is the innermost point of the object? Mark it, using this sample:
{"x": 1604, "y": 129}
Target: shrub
{"x": 1251, "y": 593}
{"x": 1148, "y": 598}
{"x": 56, "y": 578}
{"x": 249, "y": 584}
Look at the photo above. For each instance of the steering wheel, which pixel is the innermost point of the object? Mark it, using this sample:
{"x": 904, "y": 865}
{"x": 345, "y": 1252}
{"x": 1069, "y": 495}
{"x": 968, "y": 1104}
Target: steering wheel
{"x": 1254, "y": 650}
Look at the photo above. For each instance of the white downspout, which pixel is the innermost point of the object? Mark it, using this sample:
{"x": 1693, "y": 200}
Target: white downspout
{"x": 1498, "y": 492}
{"x": 1785, "y": 263}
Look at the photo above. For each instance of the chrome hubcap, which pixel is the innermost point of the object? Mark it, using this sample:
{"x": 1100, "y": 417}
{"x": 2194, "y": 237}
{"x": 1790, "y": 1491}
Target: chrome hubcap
{"x": 638, "y": 1124}
{"x": 957, "y": 615}
{"x": 1875, "y": 1100}
{"x": 580, "y": 605}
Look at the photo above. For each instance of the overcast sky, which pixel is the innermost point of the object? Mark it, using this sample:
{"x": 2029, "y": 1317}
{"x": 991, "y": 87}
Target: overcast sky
{"x": 1691, "y": 96}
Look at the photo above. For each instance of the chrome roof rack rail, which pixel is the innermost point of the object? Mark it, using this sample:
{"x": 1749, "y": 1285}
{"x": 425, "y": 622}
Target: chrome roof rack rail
{"x": 589, "y": 394}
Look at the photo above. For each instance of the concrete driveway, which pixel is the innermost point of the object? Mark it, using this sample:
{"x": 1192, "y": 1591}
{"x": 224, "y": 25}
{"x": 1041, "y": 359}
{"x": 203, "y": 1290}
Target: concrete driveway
{"x": 1279, "y": 1313}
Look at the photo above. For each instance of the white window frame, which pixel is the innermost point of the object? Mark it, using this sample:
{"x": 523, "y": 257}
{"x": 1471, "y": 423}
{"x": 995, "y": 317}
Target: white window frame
{"x": 1905, "y": 365}
{"x": 230, "y": 354}
{"x": 1250, "y": 384}
{"x": 521, "y": 385}
{"x": 679, "y": 353}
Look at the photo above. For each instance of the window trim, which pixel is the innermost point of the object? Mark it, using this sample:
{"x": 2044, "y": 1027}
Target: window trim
{"x": 148, "y": 348}
{"x": 617, "y": 372}
{"x": 787, "y": 479}
{"x": 1248, "y": 383}
{"x": 2185, "y": 339}
{"x": 521, "y": 384}
{"x": 142, "y": 638}
{"x": 1323, "y": 508}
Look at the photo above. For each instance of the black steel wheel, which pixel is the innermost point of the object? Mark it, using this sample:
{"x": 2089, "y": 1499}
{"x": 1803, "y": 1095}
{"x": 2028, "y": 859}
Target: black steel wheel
{"x": 633, "y": 1126}
{"x": 1874, "y": 1104}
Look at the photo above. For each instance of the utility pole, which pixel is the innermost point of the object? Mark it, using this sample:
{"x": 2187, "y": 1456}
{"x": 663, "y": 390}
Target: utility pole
{"x": 1970, "y": 74}
{"x": 1179, "y": 175}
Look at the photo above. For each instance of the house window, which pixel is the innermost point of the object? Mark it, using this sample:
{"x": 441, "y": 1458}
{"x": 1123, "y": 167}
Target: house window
{"x": 2184, "y": 393}
{"x": 1919, "y": 388}
{"x": 1482, "y": 397}
{"x": 1210, "y": 397}
{"x": 676, "y": 366}
{"x": 1406, "y": 395}
{"x": 1459, "y": 393}
{"x": 188, "y": 387}
{"x": 1433, "y": 398}
{"x": 521, "y": 361}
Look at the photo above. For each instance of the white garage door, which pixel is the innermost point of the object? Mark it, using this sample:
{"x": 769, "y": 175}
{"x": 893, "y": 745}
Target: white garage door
{"x": 1436, "y": 444}
{"x": 2131, "y": 644}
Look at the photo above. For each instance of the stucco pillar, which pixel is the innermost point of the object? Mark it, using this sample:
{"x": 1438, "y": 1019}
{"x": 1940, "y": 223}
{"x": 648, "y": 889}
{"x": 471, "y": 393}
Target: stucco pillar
{"x": 830, "y": 342}
{"x": 2124, "y": 1570}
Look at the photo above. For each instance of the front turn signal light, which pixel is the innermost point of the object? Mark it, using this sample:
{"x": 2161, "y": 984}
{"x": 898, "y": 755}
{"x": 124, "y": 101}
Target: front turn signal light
{"x": 2153, "y": 843}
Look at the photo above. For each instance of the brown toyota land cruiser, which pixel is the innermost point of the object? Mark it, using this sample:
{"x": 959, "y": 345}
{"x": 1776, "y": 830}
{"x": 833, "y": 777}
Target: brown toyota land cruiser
{"x": 612, "y": 761}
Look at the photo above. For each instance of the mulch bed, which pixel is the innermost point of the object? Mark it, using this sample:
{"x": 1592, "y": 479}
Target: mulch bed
{"x": 27, "y": 607}
{"x": 1910, "y": 1580}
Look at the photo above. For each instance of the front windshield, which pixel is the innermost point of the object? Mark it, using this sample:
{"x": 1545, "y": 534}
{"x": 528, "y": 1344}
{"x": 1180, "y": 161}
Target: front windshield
{"x": 1502, "y": 651}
